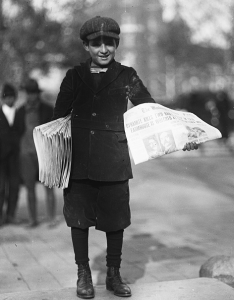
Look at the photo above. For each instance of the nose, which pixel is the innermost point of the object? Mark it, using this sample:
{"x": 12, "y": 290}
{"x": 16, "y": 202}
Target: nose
{"x": 103, "y": 48}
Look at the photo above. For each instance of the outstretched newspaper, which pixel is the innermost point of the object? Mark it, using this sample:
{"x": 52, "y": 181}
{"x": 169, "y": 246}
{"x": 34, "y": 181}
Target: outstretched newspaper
{"x": 53, "y": 145}
{"x": 153, "y": 130}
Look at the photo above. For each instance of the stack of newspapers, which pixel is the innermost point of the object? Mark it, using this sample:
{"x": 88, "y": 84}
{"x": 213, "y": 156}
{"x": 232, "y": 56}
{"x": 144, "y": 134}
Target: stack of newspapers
{"x": 53, "y": 145}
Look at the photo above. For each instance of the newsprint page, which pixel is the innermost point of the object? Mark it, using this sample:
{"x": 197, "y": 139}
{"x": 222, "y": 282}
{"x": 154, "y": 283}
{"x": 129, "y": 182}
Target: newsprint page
{"x": 153, "y": 130}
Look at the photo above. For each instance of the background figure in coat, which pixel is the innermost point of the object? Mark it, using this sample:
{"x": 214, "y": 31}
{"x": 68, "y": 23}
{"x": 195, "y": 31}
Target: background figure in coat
{"x": 36, "y": 112}
{"x": 11, "y": 130}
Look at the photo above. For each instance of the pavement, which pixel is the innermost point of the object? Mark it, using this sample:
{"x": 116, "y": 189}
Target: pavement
{"x": 182, "y": 214}
{"x": 192, "y": 289}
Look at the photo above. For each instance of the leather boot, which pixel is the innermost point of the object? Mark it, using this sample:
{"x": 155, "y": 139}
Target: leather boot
{"x": 85, "y": 288}
{"x": 115, "y": 283}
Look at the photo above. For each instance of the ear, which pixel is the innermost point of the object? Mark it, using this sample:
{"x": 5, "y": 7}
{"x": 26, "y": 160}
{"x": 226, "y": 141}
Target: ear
{"x": 86, "y": 46}
{"x": 117, "y": 43}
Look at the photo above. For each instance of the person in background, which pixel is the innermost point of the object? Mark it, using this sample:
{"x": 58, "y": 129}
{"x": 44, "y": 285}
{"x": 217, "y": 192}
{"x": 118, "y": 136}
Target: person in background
{"x": 223, "y": 104}
{"x": 11, "y": 131}
{"x": 36, "y": 112}
{"x": 96, "y": 93}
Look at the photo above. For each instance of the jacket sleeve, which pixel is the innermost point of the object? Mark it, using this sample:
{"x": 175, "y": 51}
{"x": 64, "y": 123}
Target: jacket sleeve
{"x": 63, "y": 105}
{"x": 137, "y": 92}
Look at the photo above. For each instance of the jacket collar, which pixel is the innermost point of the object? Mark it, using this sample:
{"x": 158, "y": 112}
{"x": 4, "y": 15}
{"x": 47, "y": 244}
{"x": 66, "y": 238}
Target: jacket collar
{"x": 111, "y": 74}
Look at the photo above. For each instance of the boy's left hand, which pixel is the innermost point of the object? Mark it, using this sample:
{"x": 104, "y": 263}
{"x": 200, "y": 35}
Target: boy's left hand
{"x": 190, "y": 146}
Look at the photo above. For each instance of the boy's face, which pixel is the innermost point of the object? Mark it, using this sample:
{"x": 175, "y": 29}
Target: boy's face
{"x": 9, "y": 100}
{"x": 102, "y": 50}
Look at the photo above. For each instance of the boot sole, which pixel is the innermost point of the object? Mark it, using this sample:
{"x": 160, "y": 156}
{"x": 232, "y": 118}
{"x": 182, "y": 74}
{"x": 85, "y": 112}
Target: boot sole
{"x": 85, "y": 297}
{"x": 119, "y": 295}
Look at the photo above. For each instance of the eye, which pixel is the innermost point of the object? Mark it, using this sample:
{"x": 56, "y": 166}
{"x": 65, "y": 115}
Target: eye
{"x": 110, "y": 44}
{"x": 95, "y": 44}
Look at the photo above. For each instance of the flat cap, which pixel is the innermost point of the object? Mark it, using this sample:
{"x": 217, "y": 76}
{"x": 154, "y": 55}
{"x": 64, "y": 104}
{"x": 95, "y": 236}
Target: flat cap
{"x": 99, "y": 26}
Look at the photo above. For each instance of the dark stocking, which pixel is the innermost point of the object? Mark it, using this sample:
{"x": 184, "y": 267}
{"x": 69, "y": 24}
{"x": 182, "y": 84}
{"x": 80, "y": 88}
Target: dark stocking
{"x": 80, "y": 244}
{"x": 114, "y": 248}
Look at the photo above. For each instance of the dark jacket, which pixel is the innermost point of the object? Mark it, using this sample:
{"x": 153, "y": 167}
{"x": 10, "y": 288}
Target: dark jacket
{"x": 10, "y": 135}
{"x": 99, "y": 145}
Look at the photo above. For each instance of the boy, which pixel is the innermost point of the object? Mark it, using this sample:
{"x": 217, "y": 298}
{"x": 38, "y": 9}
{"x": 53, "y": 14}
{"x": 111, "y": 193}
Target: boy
{"x": 97, "y": 93}
{"x": 11, "y": 130}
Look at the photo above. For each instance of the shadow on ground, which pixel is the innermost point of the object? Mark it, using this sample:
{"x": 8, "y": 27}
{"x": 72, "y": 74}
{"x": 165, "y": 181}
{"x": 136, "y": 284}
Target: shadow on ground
{"x": 137, "y": 252}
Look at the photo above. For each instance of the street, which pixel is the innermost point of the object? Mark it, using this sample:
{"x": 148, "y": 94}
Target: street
{"x": 182, "y": 214}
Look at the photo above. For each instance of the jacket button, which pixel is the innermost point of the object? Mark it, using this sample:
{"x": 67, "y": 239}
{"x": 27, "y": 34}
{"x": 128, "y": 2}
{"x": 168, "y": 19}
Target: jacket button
{"x": 94, "y": 114}
{"x": 92, "y": 132}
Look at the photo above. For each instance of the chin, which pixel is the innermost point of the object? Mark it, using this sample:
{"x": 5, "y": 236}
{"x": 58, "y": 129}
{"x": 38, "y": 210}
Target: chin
{"x": 106, "y": 63}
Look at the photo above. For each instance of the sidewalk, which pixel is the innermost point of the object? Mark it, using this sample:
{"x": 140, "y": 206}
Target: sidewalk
{"x": 182, "y": 214}
{"x": 192, "y": 289}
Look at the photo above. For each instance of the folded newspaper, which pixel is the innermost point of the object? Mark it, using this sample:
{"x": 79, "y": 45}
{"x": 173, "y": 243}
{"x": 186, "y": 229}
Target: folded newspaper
{"x": 153, "y": 130}
{"x": 53, "y": 145}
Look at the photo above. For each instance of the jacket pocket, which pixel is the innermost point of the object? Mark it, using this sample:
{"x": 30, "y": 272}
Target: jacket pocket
{"x": 122, "y": 145}
{"x": 121, "y": 137}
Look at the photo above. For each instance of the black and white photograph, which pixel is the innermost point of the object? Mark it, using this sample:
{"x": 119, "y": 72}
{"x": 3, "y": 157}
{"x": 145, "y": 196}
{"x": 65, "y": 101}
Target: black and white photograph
{"x": 98, "y": 199}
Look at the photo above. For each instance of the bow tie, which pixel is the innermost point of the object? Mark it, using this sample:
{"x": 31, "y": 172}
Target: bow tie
{"x": 98, "y": 70}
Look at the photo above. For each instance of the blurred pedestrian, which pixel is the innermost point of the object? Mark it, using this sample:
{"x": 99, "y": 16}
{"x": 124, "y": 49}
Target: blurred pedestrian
{"x": 11, "y": 130}
{"x": 97, "y": 94}
{"x": 36, "y": 112}
{"x": 223, "y": 104}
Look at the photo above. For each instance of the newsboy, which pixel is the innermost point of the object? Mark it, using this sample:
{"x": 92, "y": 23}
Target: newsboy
{"x": 96, "y": 93}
